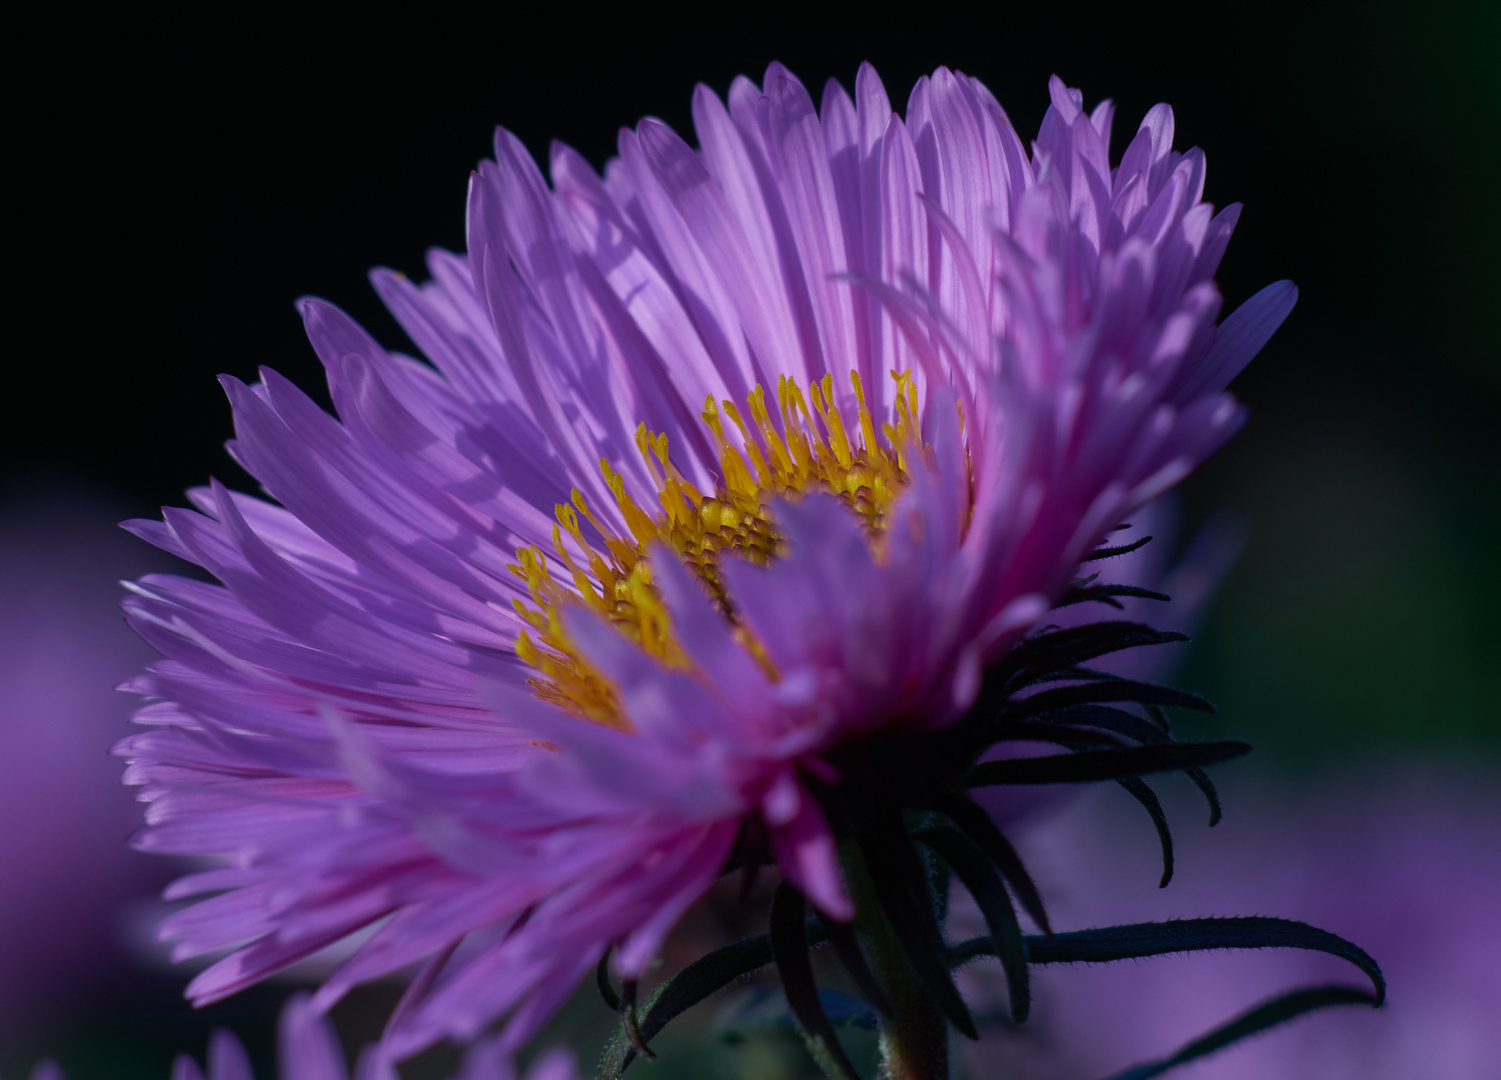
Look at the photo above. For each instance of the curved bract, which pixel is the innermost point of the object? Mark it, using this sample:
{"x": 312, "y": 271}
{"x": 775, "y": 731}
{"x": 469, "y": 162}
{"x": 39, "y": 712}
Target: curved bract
{"x": 727, "y": 471}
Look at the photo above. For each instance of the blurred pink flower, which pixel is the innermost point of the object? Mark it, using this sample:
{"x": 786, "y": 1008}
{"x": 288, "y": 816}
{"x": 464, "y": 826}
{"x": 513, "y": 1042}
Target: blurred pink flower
{"x": 63, "y": 647}
{"x": 308, "y": 1049}
{"x": 1408, "y": 868}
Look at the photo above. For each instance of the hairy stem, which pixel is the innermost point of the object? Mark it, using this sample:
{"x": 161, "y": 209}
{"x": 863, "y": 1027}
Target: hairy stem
{"x": 914, "y": 1040}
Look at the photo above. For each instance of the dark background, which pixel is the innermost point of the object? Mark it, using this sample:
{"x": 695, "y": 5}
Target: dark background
{"x": 185, "y": 173}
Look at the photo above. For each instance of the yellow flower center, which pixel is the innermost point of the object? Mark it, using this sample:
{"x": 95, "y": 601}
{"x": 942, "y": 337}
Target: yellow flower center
{"x": 812, "y": 452}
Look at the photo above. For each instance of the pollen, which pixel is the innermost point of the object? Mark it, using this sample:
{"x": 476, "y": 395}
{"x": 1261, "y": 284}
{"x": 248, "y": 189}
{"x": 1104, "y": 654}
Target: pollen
{"x": 804, "y": 446}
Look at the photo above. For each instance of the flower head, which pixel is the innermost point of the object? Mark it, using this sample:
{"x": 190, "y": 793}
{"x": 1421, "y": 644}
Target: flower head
{"x": 727, "y": 465}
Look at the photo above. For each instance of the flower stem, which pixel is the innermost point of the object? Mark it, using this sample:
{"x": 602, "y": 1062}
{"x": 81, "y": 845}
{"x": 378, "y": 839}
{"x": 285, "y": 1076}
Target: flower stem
{"x": 914, "y": 1039}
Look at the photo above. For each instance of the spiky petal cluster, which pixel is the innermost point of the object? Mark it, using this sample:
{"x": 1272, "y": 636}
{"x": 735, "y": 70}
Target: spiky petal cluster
{"x": 534, "y": 634}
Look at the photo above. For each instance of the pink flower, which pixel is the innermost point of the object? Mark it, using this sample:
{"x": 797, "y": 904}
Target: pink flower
{"x": 627, "y": 578}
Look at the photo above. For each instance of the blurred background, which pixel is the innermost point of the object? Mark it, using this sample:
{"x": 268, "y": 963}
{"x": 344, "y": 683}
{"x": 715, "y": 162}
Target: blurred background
{"x": 186, "y": 172}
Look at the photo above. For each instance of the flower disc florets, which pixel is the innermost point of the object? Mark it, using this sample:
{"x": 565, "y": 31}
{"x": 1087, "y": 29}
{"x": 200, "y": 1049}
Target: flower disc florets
{"x": 807, "y": 452}
{"x": 725, "y": 467}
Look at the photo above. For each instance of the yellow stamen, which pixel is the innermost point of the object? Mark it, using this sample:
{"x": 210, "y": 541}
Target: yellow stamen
{"x": 811, "y": 452}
